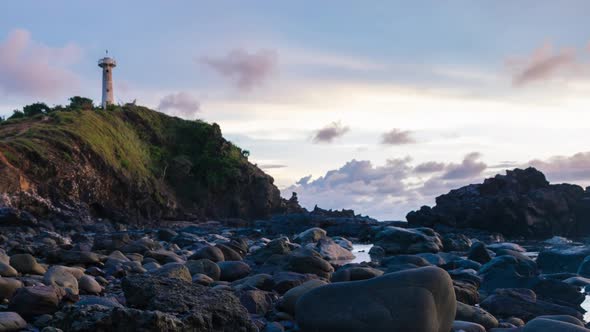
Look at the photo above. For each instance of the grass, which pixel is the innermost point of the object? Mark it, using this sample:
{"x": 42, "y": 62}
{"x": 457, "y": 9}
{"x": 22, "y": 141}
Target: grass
{"x": 140, "y": 144}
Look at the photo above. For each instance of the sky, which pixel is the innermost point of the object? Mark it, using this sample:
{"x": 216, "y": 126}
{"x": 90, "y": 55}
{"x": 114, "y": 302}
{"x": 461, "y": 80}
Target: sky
{"x": 379, "y": 107}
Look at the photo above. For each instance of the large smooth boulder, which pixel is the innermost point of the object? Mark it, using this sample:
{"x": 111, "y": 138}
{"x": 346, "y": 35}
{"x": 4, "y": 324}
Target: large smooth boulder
{"x": 8, "y": 286}
{"x": 420, "y": 299}
{"x": 396, "y": 240}
{"x": 26, "y": 264}
{"x": 289, "y": 300}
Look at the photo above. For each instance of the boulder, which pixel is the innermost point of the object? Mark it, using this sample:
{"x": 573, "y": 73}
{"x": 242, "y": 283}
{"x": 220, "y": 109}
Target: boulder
{"x": 26, "y": 264}
{"x": 309, "y": 261}
{"x": 89, "y": 285}
{"x": 7, "y": 271}
{"x": 461, "y": 326}
{"x": 229, "y": 254}
{"x": 174, "y": 270}
{"x": 8, "y": 286}
{"x": 11, "y": 321}
{"x": 204, "y": 266}
{"x": 202, "y": 308}
{"x": 311, "y": 235}
{"x": 36, "y": 300}
{"x": 208, "y": 252}
{"x": 396, "y": 240}
{"x": 555, "y": 323}
{"x": 421, "y": 299}
{"x": 283, "y": 281}
{"x": 479, "y": 253}
{"x": 78, "y": 257}
{"x": 233, "y": 270}
{"x": 256, "y": 301}
{"x": 331, "y": 251}
{"x": 474, "y": 314}
{"x": 60, "y": 276}
{"x": 523, "y": 303}
{"x": 355, "y": 273}
{"x": 289, "y": 299}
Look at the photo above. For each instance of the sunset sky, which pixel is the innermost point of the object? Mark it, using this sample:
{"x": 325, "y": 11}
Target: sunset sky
{"x": 378, "y": 106}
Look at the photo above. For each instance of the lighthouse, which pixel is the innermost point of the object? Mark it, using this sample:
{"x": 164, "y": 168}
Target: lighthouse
{"x": 107, "y": 64}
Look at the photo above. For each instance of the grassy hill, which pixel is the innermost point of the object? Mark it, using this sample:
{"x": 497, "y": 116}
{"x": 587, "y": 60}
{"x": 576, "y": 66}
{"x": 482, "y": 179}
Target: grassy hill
{"x": 131, "y": 162}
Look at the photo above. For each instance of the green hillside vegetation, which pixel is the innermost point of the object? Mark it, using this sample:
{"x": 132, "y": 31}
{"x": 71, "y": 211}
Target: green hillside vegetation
{"x": 147, "y": 147}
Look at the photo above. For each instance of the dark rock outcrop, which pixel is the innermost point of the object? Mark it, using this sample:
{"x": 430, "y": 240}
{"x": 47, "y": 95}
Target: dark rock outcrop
{"x": 520, "y": 203}
{"x": 202, "y": 308}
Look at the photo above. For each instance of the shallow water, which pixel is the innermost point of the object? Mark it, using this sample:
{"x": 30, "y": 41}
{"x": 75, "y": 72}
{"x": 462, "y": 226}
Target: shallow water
{"x": 586, "y": 306}
{"x": 361, "y": 253}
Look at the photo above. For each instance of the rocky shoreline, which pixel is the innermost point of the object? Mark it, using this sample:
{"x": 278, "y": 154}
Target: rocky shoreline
{"x": 217, "y": 276}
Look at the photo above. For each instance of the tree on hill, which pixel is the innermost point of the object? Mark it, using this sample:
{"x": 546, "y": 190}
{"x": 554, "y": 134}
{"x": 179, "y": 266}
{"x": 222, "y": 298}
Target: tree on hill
{"x": 17, "y": 114}
{"x": 36, "y": 108}
{"x": 81, "y": 103}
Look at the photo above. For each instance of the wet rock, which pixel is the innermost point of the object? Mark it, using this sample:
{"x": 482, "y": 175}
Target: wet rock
{"x": 456, "y": 242}
{"x": 164, "y": 257}
{"x": 256, "y": 301}
{"x": 78, "y": 257}
{"x": 396, "y": 240}
{"x": 555, "y": 323}
{"x": 367, "y": 305}
{"x": 202, "y": 279}
{"x": 331, "y": 251}
{"x": 7, "y": 271}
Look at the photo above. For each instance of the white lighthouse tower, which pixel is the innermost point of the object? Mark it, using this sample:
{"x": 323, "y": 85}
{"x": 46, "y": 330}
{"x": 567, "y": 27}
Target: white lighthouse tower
{"x": 107, "y": 64}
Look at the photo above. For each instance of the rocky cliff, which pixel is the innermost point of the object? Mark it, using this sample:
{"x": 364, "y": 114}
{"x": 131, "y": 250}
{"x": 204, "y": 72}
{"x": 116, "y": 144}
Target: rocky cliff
{"x": 520, "y": 203}
{"x": 129, "y": 164}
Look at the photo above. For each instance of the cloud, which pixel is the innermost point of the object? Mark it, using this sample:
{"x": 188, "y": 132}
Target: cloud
{"x": 271, "y": 166}
{"x": 330, "y": 132}
{"x": 469, "y": 168}
{"x": 247, "y": 70}
{"x": 397, "y": 137}
{"x": 574, "y": 168}
{"x": 543, "y": 64}
{"x": 429, "y": 167}
{"x": 388, "y": 191}
{"x": 32, "y": 69}
{"x": 181, "y": 103}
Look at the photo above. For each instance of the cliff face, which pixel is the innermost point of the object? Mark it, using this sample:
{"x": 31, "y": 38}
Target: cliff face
{"x": 129, "y": 164}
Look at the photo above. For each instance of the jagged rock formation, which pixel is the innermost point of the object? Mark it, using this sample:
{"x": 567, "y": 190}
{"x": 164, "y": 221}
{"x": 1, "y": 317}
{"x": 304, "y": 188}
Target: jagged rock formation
{"x": 520, "y": 203}
{"x": 129, "y": 164}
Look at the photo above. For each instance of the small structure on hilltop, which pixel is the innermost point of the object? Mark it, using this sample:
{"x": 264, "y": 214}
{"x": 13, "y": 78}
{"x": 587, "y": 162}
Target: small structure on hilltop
{"x": 107, "y": 64}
